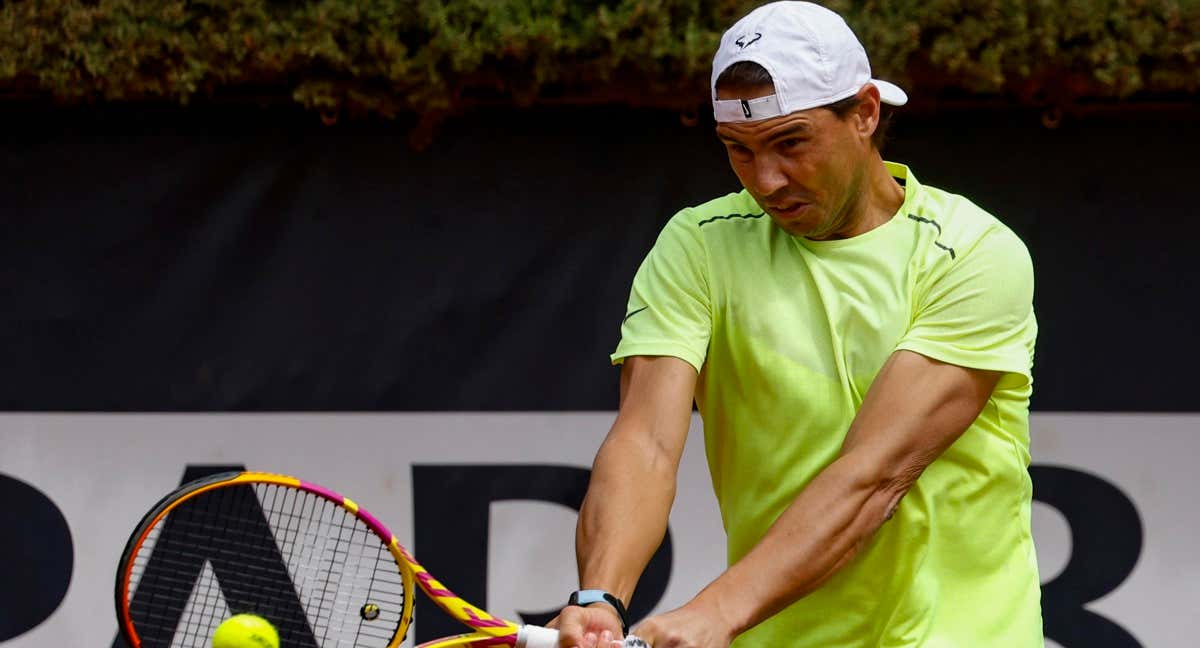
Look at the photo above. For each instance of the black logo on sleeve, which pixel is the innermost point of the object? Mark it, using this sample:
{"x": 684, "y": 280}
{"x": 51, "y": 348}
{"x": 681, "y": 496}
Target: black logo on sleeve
{"x": 939, "y": 231}
{"x": 633, "y": 312}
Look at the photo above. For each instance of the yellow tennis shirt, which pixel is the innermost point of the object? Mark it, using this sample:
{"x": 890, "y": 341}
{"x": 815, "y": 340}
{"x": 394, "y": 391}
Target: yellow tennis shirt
{"x": 787, "y": 335}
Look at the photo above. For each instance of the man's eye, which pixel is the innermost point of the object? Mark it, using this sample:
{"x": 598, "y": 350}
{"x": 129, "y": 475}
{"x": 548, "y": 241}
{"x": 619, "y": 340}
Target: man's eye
{"x": 791, "y": 142}
{"x": 739, "y": 150}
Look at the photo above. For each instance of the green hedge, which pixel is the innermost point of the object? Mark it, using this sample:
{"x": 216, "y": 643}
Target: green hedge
{"x": 433, "y": 58}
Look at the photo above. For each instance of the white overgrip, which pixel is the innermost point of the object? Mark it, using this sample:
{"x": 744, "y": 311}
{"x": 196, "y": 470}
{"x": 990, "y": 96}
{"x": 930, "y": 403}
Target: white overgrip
{"x": 532, "y": 636}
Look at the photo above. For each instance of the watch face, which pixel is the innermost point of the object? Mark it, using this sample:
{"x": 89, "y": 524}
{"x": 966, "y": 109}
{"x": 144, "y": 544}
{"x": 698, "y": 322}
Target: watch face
{"x": 587, "y": 597}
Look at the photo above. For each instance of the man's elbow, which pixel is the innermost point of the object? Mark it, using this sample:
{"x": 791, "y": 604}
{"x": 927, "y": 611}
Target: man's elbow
{"x": 896, "y": 483}
{"x": 886, "y": 483}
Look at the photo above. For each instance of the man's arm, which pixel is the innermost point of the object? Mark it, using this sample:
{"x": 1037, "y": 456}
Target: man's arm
{"x": 624, "y": 515}
{"x": 915, "y": 409}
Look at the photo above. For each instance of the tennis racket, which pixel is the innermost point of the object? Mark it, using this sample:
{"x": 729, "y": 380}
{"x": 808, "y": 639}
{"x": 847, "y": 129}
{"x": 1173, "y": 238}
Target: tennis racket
{"x": 324, "y": 571}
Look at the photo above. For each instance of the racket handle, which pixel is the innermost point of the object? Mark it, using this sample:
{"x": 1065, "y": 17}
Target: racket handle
{"x": 532, "y": 636}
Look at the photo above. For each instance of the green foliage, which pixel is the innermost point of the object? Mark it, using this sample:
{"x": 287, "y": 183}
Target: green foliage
{"x": 434, "y": 57}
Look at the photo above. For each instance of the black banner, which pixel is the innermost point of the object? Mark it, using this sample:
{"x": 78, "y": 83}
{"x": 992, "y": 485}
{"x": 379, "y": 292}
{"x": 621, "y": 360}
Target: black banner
{"x": 233, "y": 260}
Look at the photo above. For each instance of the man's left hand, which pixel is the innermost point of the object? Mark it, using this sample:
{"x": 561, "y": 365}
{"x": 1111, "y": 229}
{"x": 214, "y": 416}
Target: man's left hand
{"x": 691, "y": 626}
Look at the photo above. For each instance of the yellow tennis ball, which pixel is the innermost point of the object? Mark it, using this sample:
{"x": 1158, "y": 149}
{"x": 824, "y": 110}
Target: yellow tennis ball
{"x": 245, "y": 631}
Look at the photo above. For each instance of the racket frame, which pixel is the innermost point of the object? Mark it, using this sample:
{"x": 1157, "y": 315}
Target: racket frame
{"x": 489, "y": 630}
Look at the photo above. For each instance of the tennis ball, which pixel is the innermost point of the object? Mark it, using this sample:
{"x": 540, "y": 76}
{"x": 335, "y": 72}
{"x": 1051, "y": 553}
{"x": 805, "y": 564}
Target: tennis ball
{"x": 245, "y": 631}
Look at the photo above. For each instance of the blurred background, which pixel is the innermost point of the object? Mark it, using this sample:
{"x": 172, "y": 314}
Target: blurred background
{"x": 275, "y": 233}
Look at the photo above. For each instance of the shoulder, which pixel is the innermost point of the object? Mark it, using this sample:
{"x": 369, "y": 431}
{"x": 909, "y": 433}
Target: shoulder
{"x": 709, "y": 216}
{"x": 954, "y": 229}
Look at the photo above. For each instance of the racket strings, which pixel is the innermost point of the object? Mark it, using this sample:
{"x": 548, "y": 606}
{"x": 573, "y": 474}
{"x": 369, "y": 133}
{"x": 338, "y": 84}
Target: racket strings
{"x": 206, "y": 602}
{"x": 297, "y": 559}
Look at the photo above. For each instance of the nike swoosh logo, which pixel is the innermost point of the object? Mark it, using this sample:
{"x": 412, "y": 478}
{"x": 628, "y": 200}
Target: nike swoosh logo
{"x": 632, "y": 313}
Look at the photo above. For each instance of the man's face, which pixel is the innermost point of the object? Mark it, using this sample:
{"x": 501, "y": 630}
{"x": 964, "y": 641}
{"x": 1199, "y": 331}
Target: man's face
{"x": 806, "y": 169}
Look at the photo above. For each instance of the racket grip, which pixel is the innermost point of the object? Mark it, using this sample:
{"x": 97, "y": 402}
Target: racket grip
{"x": 532, "y": 636}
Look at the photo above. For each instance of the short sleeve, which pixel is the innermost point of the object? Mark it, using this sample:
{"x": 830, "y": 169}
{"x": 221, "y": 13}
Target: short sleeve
{"x": 669, "y": 313}
{"x": 976, "y": 311}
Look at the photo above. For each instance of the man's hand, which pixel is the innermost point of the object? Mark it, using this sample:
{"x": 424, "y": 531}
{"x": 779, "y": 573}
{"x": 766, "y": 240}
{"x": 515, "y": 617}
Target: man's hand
{"x": 594, "y": 626}
{"x": 691, "y": 626}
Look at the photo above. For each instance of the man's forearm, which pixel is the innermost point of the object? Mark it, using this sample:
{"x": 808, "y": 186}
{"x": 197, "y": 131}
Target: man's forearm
{"x": 814, "y": 537}
{"x": 896, "y": 434}
{"x": 624, "y": 515}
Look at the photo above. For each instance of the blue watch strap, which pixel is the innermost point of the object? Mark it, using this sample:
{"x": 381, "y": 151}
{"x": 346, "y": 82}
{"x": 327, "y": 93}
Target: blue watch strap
{"x": 587, "y": 597}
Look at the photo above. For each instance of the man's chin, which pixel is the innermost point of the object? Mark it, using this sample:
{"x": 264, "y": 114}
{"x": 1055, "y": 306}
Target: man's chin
{"x": 793, "y": 227}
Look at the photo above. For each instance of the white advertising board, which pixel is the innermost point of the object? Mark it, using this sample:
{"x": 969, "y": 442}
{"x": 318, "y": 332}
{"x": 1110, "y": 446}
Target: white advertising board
{"x": 103, "y": 471}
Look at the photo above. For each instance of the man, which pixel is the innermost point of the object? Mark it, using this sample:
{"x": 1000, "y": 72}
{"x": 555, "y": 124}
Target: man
{"x": 859, "y": 346}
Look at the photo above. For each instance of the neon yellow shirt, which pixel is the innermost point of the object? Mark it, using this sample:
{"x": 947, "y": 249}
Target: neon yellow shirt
{"x": 787, "y": 335}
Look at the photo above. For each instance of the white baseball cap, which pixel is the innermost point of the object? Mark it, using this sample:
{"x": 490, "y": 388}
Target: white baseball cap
{"x": 811, "y": 54}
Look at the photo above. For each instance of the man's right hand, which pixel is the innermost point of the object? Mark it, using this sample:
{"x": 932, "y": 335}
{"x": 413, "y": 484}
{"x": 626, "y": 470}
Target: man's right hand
{"x": 594, "y": 626}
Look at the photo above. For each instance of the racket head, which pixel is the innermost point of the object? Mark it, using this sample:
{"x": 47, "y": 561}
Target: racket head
{"x": 305, "y": 558}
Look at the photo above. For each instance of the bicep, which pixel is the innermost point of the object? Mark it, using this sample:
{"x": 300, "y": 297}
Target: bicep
{"x": 915, "y": 409}
{"x": 656, "y": 402}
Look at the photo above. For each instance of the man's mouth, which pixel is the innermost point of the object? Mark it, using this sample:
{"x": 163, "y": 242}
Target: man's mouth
{"x": 788, "y": 210}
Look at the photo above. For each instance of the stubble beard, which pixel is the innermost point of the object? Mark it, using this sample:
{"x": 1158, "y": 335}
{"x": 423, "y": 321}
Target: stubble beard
{"x": 849, "y": 211}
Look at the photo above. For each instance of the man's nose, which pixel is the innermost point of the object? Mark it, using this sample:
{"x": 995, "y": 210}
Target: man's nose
{"x": 768, "y": 175}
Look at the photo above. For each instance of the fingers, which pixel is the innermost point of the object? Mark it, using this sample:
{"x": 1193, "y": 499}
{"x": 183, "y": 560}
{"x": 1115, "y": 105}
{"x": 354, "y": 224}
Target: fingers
{"x": 590, "y": 640}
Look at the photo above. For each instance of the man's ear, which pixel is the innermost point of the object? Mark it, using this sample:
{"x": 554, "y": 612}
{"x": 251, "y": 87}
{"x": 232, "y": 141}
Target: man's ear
{"x": 867, "y": 111}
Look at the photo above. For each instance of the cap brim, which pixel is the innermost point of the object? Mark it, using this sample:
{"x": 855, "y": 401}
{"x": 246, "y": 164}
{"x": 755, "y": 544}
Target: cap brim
{"x": 890, "y": 93}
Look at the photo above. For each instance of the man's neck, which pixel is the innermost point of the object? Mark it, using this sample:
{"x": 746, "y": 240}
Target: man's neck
{"x": 884, "y": 194}
{"x": 881, "y": 198}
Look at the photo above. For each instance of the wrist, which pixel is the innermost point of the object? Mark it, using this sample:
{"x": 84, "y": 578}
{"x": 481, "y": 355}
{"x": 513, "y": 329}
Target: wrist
{"x": 721, "y": 609}
{"x": 596, "y": 597}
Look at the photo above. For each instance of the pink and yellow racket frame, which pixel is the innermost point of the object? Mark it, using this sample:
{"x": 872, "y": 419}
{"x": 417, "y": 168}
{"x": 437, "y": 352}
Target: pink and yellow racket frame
{"x": 489, "y": 630}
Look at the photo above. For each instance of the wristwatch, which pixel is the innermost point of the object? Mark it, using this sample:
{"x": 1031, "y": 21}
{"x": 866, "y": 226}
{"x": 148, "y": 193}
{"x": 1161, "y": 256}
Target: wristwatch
{"x": 586, "y": 597}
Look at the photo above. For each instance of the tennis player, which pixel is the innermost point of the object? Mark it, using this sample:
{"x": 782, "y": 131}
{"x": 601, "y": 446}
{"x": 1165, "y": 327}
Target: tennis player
{"x": 859, "y": 346}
